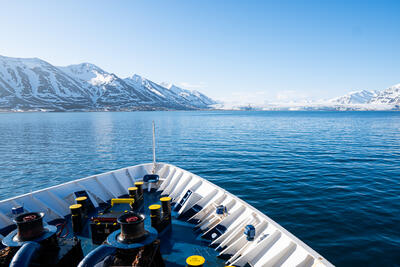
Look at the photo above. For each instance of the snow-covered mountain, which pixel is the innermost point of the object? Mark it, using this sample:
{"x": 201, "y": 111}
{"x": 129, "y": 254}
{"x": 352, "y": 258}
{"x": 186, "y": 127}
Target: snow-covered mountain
{"x": 26, "y": 83}
{"x": 358, "y": 97}
{"x": 387, "y": 99}
{"x": 389, "y": 96}
{"x": 34, "y": 84}
{"x": 167, "y": 92}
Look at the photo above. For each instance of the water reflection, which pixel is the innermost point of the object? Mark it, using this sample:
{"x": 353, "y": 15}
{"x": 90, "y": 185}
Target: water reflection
{"x": 102, "y": 130}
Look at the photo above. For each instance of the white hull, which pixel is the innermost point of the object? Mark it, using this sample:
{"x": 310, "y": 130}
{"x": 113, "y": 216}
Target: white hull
{"x": 273, "y": 245}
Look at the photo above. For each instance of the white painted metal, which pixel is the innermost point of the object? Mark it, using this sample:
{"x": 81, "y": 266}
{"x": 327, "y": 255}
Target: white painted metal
{"x": 209, "y": 209}
{"x": 154, "y": 150}
{"x": 180, "y": 188}
{"x": 272, "y": 246}
{"x": 167, "y": 179}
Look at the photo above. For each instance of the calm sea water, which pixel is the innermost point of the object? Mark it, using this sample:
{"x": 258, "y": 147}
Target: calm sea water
{"x": 331, "y": 178}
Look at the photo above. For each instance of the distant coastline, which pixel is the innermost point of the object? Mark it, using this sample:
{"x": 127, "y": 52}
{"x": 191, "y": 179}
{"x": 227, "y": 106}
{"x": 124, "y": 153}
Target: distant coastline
{"x": 34, "y": 85}
{"x": 313, "y": 107}
{"x": 194, "y": 110}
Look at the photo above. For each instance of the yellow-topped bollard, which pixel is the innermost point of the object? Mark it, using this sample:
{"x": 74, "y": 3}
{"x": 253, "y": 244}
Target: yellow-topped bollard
{"x": 139, "y": 185}
{"x": 155, "y": 215}
{"x": 164, "y": 199}
{"x": 133, "y": 191}
{"x": 154, "y": 209}
{"x": 80, "y": 199}
{"x": 76, "y": 217}
{"x": 166, "y": 207}
{"x": 195, "y": 261}
{"x": 75, "y": 209}
{"x": 83, "y": 201}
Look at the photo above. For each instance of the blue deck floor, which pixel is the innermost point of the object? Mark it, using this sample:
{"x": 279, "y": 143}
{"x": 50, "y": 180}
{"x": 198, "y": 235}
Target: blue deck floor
{"x": 177, "y": 243}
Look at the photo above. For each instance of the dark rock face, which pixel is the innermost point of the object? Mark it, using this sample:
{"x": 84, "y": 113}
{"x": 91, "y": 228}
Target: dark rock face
{"x": 33, "y": 84}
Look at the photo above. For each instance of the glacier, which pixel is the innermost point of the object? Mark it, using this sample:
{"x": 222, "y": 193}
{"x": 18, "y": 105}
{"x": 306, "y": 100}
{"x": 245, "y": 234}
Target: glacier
{"x": 378, "y": 100}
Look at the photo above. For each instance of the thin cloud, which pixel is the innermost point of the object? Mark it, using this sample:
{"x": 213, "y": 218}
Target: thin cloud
{"x": 291, "y": 96}
{"x": 187, "y": 85}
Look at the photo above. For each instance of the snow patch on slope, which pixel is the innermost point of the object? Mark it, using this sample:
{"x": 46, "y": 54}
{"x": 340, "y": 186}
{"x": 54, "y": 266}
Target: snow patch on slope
{"x": 357, "y": 97}
{"x": 33, "y": 84}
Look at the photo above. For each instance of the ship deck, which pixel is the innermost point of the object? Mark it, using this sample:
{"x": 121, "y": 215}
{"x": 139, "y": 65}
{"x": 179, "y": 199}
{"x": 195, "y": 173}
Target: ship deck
{"x": 178, "y": 241}
{"x": 198, "y": 199}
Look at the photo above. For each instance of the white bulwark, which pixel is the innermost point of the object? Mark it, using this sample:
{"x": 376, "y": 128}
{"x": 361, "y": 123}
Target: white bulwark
{"x": 272, "y": 245}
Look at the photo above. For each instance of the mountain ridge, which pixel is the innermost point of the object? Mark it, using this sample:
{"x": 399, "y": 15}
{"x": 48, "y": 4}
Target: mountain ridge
{"x": 32, "y": 84}
{"x": 355, "y": 97}
{"x": 386, "y": 99}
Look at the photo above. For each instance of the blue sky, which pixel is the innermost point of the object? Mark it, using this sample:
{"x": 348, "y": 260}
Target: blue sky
{"x": 251, "y": 51}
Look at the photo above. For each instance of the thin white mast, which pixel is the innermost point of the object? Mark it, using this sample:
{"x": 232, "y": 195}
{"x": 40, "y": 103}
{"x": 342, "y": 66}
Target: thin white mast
{"x": 154, "y": 148}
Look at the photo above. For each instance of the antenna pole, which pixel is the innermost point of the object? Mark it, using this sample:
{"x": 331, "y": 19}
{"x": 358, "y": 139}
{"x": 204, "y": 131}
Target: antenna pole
{"x": 154, "y": 148}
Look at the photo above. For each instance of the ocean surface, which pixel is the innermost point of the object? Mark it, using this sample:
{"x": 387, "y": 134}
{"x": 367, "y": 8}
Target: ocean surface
{"x": 330, "y": 178}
